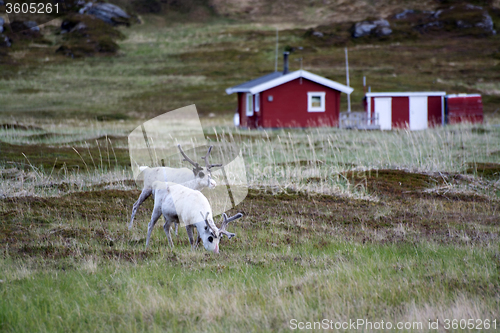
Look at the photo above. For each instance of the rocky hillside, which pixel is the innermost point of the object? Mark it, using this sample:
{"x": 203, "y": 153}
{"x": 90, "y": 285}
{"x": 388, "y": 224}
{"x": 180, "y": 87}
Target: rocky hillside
{"x": 294, "y": 12}
{"x": 336, "y": 22}
{"x": 447, "y": 20}
{"x": 314, "y": 12}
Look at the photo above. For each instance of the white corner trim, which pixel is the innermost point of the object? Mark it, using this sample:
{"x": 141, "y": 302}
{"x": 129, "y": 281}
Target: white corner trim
{"x": 248, "y": 106}
{"x": 236, "y": 119}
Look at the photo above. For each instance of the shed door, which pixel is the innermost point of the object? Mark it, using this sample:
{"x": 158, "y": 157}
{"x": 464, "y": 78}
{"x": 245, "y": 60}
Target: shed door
{"x": 418, "y": 113}
{"x": 383, "y": 111}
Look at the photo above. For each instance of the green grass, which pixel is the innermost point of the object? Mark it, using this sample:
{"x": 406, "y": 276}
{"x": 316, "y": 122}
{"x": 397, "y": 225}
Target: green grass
{"x": 70, "y": 268}
{"x": 190, "y": 292}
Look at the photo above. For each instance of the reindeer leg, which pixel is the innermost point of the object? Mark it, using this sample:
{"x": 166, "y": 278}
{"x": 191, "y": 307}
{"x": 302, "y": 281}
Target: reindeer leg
{"x": 154, "y": 217}
{"x": 176, "y": 228}
{"x": 144, "y": 195}
{"x": 166, "y": 228}
{"x": 189, "y": 230}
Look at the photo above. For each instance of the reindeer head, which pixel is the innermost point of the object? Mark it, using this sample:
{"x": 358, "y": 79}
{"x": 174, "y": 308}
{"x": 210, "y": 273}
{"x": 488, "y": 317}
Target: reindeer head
{"x": 204, "y": 173}
{"x": 211, "y": 237}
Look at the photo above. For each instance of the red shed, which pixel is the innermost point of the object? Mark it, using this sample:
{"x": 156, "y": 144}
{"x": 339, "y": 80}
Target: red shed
{"x": 464, "y": 108}
{"x": 412, "y": 110}
{"x": 283, "y": 99}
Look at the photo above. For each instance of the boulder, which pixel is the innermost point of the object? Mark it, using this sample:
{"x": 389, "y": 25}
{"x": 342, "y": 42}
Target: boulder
{"x": 5, "y": 41}
{"x": 80, "y": 26}
{"x": 363, "y": 29}
{"x": 384, "y": 31}
{"x": 32, "y": 25}
{"x": 377, "y": 27}
{"x": 67, "y": 25}
{"x": 85, "y": 8}
{"x": 435, "y": 15}
{"x": 106, "y": 12}
{"x": 404, "y": 14}
{"x": 487, "y": 24}
{"x": 28, "y": 29}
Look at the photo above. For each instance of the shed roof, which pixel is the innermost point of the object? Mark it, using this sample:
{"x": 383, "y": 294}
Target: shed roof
{"x": 406, "y": 94}
{"x": 463, "y": 95}
{"x": 277, "y": 78}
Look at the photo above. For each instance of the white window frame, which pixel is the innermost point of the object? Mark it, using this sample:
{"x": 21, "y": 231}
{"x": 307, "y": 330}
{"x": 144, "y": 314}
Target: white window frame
{"x": 249, "y": 104}
{"x": 321, "y": 95}
{"x": 257, "y": 102}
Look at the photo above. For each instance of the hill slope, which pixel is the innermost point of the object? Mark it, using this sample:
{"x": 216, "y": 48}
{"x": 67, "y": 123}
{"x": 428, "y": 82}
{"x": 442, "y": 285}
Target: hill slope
{"x": 294, "y": 12}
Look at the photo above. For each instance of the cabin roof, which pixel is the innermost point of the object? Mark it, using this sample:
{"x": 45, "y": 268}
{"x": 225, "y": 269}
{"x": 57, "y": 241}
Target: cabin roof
{"x": 277, "y": 78}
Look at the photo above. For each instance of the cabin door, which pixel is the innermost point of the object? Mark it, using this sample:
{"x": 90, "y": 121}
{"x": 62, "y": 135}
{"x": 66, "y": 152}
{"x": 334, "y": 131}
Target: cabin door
{"x": 383, "y": 111}
{"x": 418, "y": 113}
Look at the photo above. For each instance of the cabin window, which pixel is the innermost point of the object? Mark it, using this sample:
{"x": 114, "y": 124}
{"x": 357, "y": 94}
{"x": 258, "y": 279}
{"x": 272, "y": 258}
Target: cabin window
{"x": 249, "y": 105}
{"x": 257, "y": 102}
{"x": 316, "y": 102}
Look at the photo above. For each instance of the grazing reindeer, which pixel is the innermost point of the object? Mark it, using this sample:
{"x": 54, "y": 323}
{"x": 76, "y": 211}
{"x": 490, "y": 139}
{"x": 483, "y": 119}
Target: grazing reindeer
{"x": 179, "y": 176}
{"x": 180, "y": 203}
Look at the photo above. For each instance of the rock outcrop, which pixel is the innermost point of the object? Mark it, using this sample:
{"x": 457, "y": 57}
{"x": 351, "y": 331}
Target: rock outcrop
{"x": 465, "y": 19}
{"x": 84, "y": 35}
{"x": 366, "y": 28}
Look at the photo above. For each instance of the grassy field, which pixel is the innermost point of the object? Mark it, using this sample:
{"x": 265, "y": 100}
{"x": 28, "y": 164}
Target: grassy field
{"x": 330, "y": 231}
{"x": 340, "y": 225}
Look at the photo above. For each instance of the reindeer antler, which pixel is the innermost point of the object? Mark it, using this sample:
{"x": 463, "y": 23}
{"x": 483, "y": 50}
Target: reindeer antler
{"x": 207, "y": 164}
{"x": 197, "y": 167}
{"x": 226, "y": 221}
{"x": 205, "y": 218}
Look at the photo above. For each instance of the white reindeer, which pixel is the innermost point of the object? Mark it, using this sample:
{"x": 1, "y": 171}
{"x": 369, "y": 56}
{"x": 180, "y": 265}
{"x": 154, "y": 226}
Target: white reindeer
{"x": 179, "y": 176}
{"x": 180, "y": 203}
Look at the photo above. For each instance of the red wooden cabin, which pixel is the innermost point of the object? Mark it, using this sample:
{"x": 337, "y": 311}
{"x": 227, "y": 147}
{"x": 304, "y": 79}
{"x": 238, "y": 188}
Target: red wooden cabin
{"x": 283, "y": 99}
